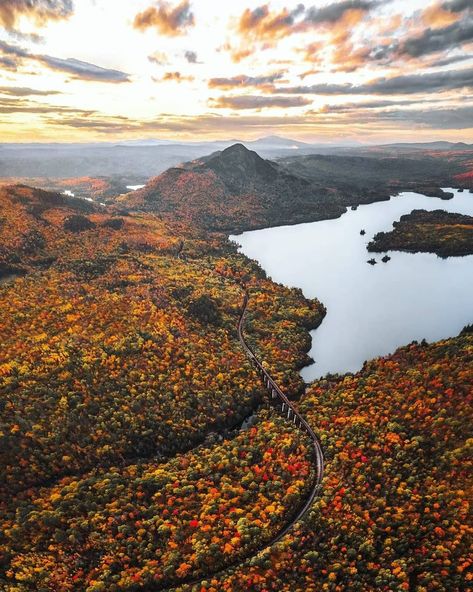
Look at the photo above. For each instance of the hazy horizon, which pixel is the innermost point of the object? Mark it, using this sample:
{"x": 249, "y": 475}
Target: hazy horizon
{"x": 149, "y": 142}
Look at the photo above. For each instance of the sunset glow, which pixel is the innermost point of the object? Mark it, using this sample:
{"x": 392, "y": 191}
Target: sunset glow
{"x": 352, "y": 70}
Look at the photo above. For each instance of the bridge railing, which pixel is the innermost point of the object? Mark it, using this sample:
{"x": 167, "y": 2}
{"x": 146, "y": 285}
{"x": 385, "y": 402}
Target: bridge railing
{"x": 276, "y": 394}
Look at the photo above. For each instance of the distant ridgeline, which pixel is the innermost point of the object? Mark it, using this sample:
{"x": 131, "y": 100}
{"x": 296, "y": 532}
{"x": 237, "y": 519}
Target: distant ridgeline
{"x": 123, "y": 388}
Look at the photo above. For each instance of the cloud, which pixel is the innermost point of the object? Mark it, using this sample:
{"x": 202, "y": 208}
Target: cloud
{"x": 407, "y": 84}
{"x": 458, "y": 5}
{"x": 8, "y": 63}
{"x": 159, "y": 58}
{"x": 327, "y": 124}
{"x": 191, "y": 57}
{"x": 20, "y": 91}
{"x": 436, "y": 40}
{"x": 174, "y": 77}
{"x": 261, "y": 23}
{"x": 446, "y": 27}
{"x": 22, "y": 105}
{"x": 245, "y": 81}
{"x": 83, "y": 70}
{"x": 79, "y": 69}
{"x": 452, "y": 118}
{"x": 261, "y": 28}
{"x": 168, "y": 20}
{"x": 39, "y": 10}
{"x": 361, "y": 106}
{"x": 104, "y": 126}
{"x": 448, "y": 61}
{"x": 13, "y": 50}
{"x": 333, "y": 13}
{"x": 258, "y": 102}
{"x": 448, "y": 118}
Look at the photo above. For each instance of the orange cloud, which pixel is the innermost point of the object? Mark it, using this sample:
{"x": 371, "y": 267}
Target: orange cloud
{"x": 168, "y": 20}
{"x": 243, "y": 102}
{"x": 437, "y": 16}
{"x": 12, "y": 10}
{"x": 345, "y": 56}
{"x": 261, "y": 24}
{"x": 261, "y": 28}
{"x": 176, "y": 77}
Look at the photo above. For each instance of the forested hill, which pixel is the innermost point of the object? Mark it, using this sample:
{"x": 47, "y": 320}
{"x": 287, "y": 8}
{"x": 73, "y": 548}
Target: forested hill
{"x": 233, "y": 189}
{"x": 236, "y": 189}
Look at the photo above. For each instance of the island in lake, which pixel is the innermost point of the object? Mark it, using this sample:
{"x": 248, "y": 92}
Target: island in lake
{"x": 445, "y": 233}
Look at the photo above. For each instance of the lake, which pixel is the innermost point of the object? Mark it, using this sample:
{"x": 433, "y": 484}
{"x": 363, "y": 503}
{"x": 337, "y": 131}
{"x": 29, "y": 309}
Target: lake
{"x": 371, "y": 310}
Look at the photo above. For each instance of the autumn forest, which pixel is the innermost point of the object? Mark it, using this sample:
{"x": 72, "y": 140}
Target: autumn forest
{"x": 140, "y": 449}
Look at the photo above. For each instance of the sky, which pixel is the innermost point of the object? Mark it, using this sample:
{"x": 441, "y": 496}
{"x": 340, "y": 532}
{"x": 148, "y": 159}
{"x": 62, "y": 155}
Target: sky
{"x": 323, "y": 71}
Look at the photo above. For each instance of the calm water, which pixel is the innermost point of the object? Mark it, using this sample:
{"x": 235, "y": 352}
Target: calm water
{"x": 371, "y": 310}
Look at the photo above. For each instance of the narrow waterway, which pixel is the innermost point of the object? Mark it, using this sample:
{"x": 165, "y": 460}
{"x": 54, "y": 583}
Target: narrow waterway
{"x": 372, "y": 310}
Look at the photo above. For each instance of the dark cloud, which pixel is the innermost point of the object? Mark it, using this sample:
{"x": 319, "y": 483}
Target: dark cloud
{"x": 8, "y": 63}
{"x": 443, "y": 35}
{"x": 168, "y": 20}
{"x": 451, "y": 118}
{"x": 435, "y": 40}
{"x": 191, "y": 57}
{"x": 334, "y": 12}
{"x": 83, "y": 70}
{"x": 367, "y": 105}
{"x": 80, "y": 70}
{"x": 363, "y": 106}
{"x": 458, "y": 5}
{"x": 39, "y": 10}
{"x": 20, "y": 91}
{"x": 408, "y": 84}
{"x": 398, "y": 117}
{"x": 29, "y": 37}
{"x": 448, "y": 118}
{"x": 245, "y": 81}
{"x": 448, "y": 61}
{"x": 258, "y": 102}
{"x": 13, "y": 50}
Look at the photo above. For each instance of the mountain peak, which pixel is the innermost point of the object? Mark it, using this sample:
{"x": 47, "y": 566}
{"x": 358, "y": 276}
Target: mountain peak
{"x": 237, "y": 165}
{"x": 237, "y": 149}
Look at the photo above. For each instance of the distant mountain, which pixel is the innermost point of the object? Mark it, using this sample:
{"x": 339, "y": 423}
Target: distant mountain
{"x": 147, "y": 142}
{"x": 269, "y": 141}
{"x": 429, "y": 146}
{"x": 234, "y": 189}
{"x": 277, "y": 142}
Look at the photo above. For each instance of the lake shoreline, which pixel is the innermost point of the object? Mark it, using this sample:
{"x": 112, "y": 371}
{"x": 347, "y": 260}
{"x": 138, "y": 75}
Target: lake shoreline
{"x": 287, "y": 264}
